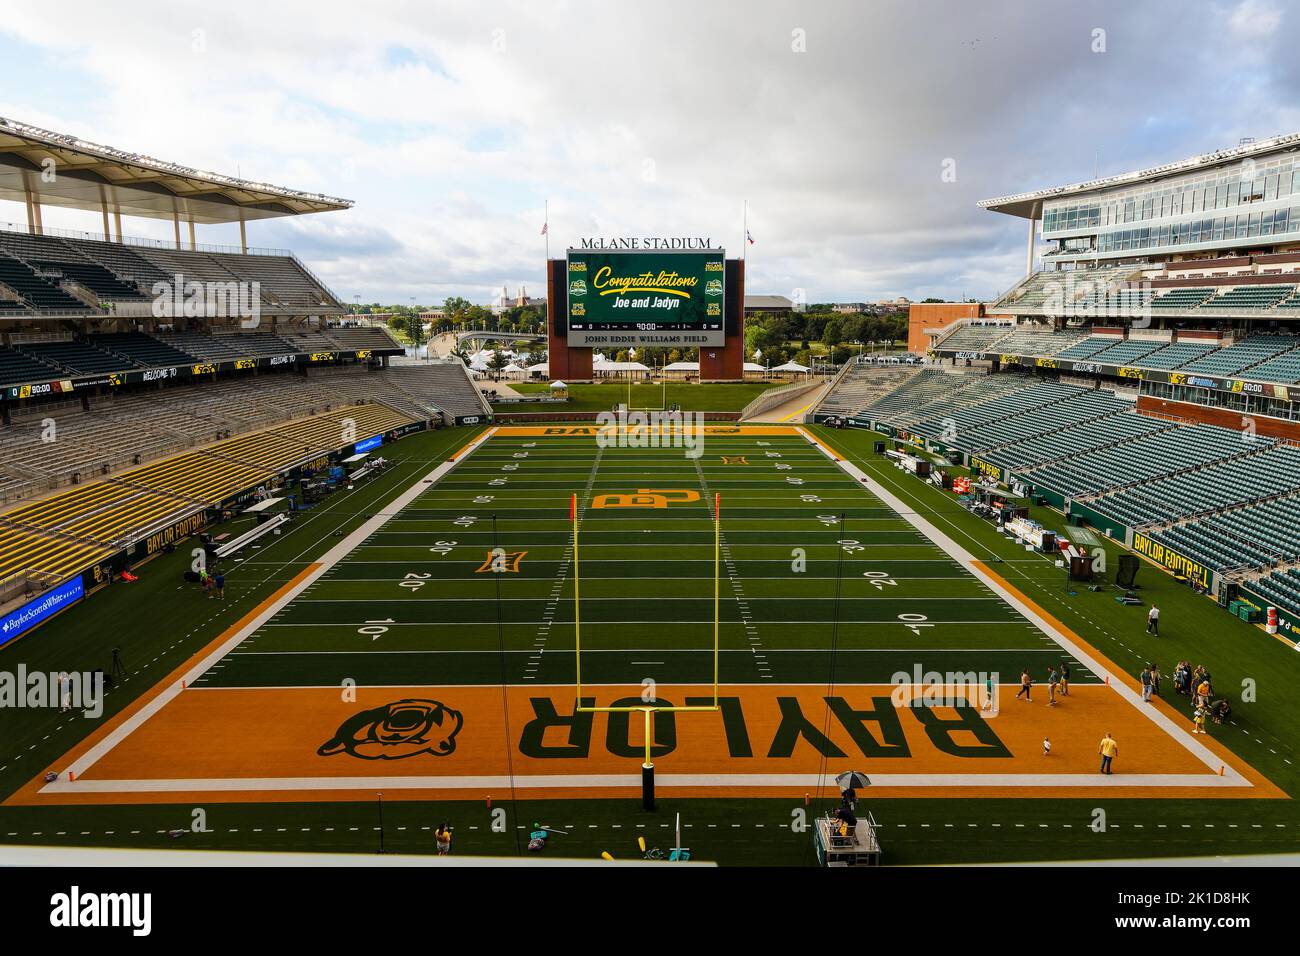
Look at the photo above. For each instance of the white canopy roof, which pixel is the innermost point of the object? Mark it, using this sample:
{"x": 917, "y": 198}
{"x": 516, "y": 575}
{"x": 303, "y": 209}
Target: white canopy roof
{"x": 791, "y": 367}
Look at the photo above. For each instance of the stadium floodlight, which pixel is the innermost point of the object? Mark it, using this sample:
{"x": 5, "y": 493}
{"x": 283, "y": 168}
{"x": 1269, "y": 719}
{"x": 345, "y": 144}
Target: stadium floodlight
{"x": 650, "y": 708}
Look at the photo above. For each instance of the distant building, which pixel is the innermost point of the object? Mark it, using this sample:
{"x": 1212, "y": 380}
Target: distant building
{"x": 505, "y": 302}
{"x": 768, "y": 305}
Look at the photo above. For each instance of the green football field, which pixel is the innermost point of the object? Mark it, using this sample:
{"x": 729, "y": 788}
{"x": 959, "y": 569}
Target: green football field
{"x": 823, "y": 590}
{"x": 647, "y": 579}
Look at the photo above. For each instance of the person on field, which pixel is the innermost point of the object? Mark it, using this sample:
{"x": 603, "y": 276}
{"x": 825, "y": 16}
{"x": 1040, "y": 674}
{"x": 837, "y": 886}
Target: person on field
{"x": 219, "y": 582}
{"x": 1053, "y": 679}
{"x": 1153, "y": 621}
{"x": 1047, "y": 747}
{"x": 1109, "y": 749}
{"x": 988, "y": 692}
{"x": 1146, "y": 684}
{"x": 1026, "y": 682}
{"x": 1198, "y": 721}
{"x": 1155, "y": 680}
{"x": 442, "y": 836}
{"x": 1065, "y": 679}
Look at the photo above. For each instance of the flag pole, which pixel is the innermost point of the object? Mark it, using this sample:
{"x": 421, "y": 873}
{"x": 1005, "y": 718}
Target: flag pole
{"x": 717, "y": 580}
{"x": 744, "y": 229}
{"x": 577, "y": 620}
{"x": 547, "y": 230}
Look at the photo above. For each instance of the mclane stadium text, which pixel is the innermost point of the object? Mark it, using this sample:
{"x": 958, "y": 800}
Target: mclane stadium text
{"x": 646, "y": 242}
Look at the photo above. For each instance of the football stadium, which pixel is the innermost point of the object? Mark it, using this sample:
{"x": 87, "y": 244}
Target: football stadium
{"x": 286, "y": 576}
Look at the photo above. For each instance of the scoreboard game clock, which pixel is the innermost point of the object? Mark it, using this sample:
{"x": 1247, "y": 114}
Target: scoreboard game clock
{"x": 646, "y": 297}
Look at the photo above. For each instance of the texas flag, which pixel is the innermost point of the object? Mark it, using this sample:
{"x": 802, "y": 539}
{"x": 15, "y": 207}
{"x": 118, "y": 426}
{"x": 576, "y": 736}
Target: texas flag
{"x": 748, "y": 237}
{"x": 546, "y": 226}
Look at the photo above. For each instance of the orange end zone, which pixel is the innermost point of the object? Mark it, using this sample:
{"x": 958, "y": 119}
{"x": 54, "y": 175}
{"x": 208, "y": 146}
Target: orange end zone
{"x": 309, "y": 743}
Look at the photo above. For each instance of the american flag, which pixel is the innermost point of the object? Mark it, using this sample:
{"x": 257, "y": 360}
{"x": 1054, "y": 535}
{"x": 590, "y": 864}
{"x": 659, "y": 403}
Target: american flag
{"x": 749, "y": 238}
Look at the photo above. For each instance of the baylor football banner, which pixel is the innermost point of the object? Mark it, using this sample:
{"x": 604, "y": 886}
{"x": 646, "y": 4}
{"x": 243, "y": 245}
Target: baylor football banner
{"x": 622, "y": 298}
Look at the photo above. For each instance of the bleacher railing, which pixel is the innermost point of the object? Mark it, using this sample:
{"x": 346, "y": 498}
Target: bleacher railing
{"x": 164, "y": 244}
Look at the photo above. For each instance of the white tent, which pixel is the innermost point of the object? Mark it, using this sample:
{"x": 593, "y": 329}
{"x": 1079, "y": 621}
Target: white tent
{"x": 755, "y": 367}
{"x": 791, "y": 367}
{"x": 682, "y": 367}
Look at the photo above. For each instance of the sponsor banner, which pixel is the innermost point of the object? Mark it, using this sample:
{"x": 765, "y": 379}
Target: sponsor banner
{"x": 368, "y": 444}
{"x": 181, "y": 529}
{"x": 405, "y": 430}
{"x": 1288, "y": 621}
{"x": 39, "y": 609}
{"x": 61, "y": 387}
{"x": 1214, "y": 383}
{"x": 986, "y": 468}
{"x": 136, "y": 376}
{"x": 653, "y": 297}
{"x": 472, "y": 419}
{"x": 1170, "y": 559}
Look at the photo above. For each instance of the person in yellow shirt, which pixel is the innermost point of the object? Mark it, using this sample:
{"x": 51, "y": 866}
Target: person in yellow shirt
{"x": 1109, "y": 748}
{"x": 442, "y": 836}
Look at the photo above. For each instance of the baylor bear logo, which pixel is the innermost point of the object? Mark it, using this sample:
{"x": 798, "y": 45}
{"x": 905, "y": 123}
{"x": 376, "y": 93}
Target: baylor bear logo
{"x": 404, "y": 728}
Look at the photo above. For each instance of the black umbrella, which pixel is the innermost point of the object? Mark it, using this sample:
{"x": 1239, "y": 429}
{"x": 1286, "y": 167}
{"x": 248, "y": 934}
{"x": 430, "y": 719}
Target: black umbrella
{"x": 853, "y": 780}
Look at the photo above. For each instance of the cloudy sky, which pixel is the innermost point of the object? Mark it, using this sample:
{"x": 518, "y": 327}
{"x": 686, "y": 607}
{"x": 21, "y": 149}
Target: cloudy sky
{"x": 452, "y": 124}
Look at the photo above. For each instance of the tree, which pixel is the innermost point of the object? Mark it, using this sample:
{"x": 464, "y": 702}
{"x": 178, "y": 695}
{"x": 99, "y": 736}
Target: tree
{"x": 454, "y": 305}
{"x": 497, "y": 362}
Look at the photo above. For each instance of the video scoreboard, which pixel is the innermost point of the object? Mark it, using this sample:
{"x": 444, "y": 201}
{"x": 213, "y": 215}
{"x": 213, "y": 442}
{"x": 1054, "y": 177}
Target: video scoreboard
{"x": 646, "y": 297}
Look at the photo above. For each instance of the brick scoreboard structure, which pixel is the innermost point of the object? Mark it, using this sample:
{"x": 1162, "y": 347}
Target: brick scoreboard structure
{"x": 718, "y": 363}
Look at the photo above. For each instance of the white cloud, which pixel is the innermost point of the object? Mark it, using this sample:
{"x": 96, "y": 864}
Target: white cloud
{"x": 452, "y": 124}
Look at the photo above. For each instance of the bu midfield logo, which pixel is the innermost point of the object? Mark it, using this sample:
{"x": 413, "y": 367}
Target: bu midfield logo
{"x": 404, "y": 728}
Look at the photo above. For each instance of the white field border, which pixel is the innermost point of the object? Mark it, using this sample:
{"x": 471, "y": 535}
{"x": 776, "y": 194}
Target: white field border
{"x": 64, "y": 786}
{"x": 1212, "y": 761}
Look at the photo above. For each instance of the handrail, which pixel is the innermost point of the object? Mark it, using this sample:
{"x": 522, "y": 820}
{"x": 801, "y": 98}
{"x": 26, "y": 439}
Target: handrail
{"x": 19, "y": 227}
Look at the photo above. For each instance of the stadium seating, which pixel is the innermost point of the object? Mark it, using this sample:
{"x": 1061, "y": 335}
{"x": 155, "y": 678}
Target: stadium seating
{"x": 1250, "y": 298}
{"x": 1181, "y": 298}
{"x": 1088, "y": 347}
{"x": 974, "y": 338}
{"x": 1075, "y": 439}
{"x": 141, "y": 348}
{"x": 34, "y": 265}
{"x": 1257, "y": 535}
{"x": 861, "y": 385}
{"x": 1280, "y": 586}
{"x": 80, "y": 358}
{"x": 1142, "y": 459}
{"x": 1176, "y": 355}
{"x": 94, "y": 520}
{"x": 1129, "y": 352}
{"x": 37, "y": 292}
{"x": 1259, "y": 475}
{"x": 1240, "y": 355}
{"x": 18, "y": 367}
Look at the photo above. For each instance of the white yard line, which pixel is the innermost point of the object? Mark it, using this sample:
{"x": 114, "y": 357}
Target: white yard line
{"x": 669, "y": 780}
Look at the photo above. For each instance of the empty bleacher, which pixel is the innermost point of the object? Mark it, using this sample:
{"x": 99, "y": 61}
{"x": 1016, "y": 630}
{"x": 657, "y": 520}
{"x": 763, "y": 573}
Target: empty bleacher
{"x": 1240, "y": 355}
{"x": 861, "y": 385}
{"x": 1270, "y": 472}
{"x": 1280, "y": 586}
{"x": 80, "y": 358}
{"x": 1176, "y": 355}
{"x": 1257, "y": 535}
{"x": 59, "y": 535}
